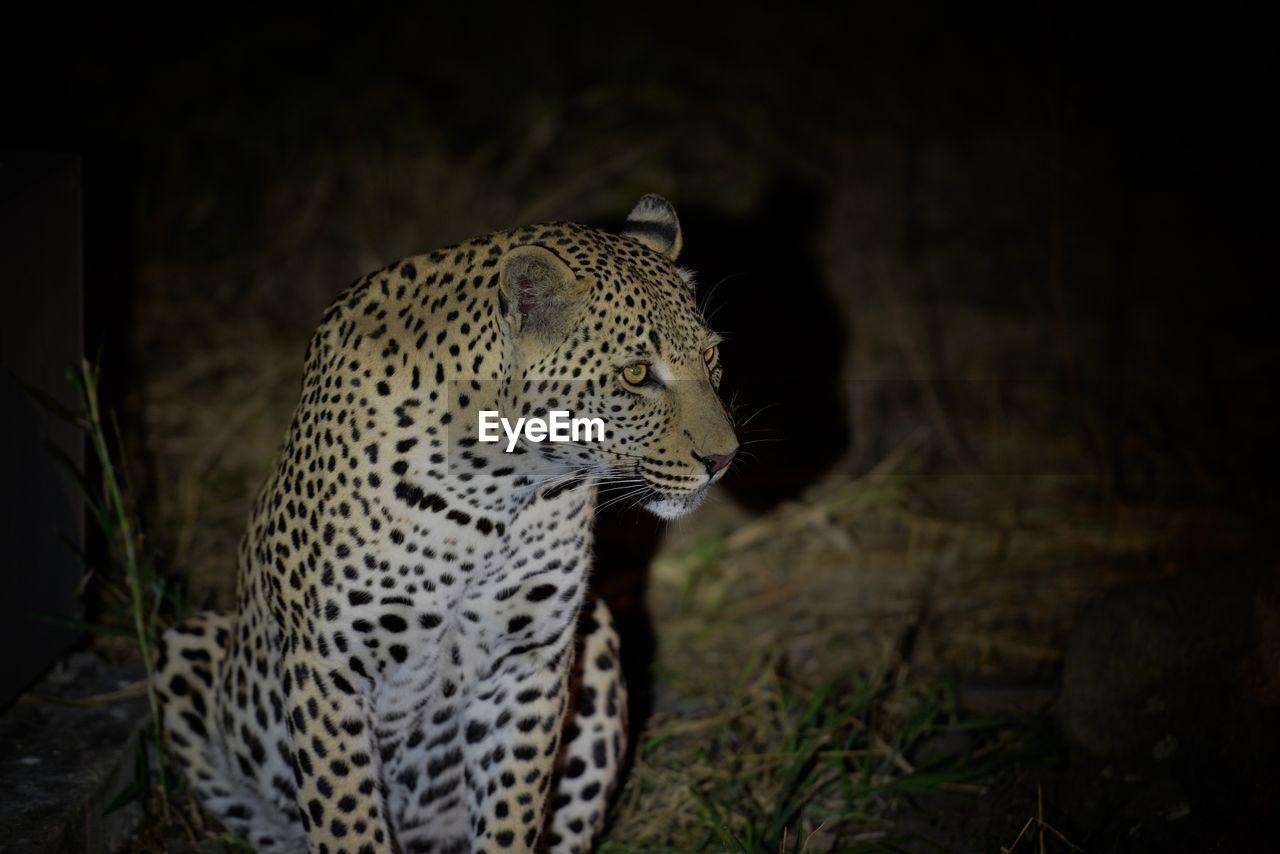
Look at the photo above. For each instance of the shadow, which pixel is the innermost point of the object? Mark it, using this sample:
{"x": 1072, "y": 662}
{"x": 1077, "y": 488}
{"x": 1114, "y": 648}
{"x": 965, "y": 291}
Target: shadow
{"x": 760, "y": 285}
{"x": 626, "y": 541}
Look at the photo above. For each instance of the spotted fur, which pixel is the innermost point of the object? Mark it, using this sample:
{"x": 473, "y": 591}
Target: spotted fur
{"x": 414, "y": 663}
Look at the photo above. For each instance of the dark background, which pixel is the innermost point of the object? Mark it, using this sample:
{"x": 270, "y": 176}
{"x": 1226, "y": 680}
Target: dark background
{"x": 1042, "y": 236}
{"x": 1128, "y": 184}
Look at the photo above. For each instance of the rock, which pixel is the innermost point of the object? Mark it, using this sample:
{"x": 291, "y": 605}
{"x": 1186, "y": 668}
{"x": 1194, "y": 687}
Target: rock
{"x": 1182, "y": 672}
{"x": 62, "y": 763}
{"x": 1156, "y": 661}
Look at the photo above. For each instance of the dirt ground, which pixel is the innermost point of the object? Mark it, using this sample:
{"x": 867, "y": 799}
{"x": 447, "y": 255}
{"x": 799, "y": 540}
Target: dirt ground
{"x": 993, "y": 347}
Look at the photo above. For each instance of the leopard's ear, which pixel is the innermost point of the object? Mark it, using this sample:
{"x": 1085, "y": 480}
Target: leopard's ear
{"x": 539, "y": 294}
{"x": 653, "y": 223}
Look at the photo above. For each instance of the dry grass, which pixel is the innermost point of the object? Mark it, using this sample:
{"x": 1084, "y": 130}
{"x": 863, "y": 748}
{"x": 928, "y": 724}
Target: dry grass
{"x": 771, "y": 766}
{"x": 805, "y": 656}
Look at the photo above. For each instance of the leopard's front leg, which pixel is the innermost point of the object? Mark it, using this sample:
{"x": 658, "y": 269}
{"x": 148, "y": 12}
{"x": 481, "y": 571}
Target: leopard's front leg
{"x": 335, "y": 758}
{"x": 512, "y": 741}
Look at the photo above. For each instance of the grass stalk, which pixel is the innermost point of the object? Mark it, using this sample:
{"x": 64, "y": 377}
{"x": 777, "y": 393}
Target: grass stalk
{"x": 125, "y": 542}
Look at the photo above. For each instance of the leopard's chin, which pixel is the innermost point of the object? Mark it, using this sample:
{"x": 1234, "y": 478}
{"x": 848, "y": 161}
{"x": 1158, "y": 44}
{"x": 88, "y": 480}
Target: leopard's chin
{"x": 674, "y": 506}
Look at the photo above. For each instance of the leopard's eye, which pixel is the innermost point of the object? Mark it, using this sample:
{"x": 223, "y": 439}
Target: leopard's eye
{"x": 710, "y": 354}
{"x": 635, "y": 374}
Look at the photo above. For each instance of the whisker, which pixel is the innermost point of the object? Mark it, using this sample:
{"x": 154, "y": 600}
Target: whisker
{"x": 757, "y": 413}
{"x": 706, "y": 302}
{"x": 637, "y": 494}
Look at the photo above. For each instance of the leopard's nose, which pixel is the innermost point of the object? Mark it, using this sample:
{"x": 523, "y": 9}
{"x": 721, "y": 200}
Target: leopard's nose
{"x": 715, "y": 463}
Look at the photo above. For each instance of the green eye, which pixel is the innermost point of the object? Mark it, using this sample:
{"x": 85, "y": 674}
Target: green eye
{"x": 635, "y": 374}
{"x": 709, "y": 355}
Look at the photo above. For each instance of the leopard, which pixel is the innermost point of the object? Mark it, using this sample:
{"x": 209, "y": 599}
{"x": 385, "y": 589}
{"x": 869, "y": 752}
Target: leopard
{"x": 415, "y": 661}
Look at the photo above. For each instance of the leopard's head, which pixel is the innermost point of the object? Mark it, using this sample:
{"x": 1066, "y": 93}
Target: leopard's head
{"x": 606, "y": 326}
